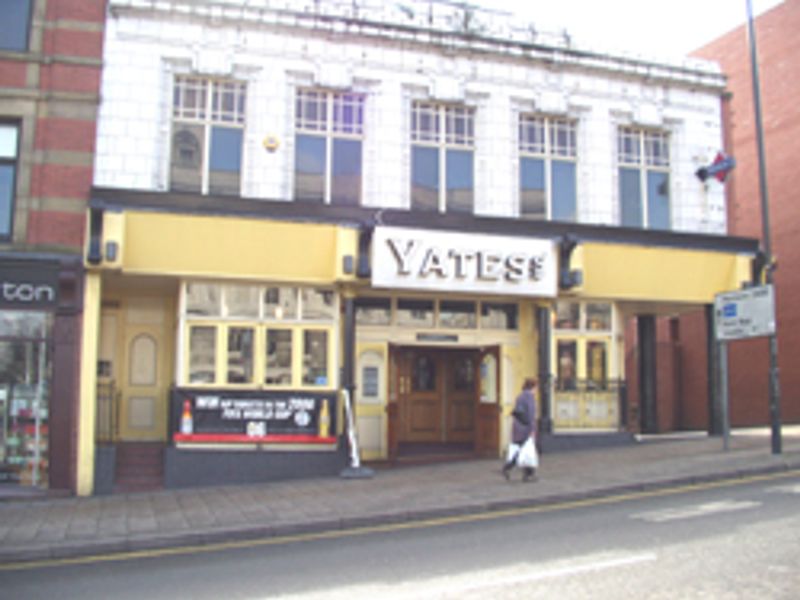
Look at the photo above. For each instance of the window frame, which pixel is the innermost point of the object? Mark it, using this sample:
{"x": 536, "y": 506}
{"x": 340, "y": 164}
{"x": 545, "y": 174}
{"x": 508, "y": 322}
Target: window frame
{"x": 647, "y": 152}
{"x": 451, "y": 133}
{"x": 546, "y": 147}
{"x": 330, "y": 125}
{"x": 222, "y": 324}
{"x": 13, "y": 163}
{"x": 208, "y": 114}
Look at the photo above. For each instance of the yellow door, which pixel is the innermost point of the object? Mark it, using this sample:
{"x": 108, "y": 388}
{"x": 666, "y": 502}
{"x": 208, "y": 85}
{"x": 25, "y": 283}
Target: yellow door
{"x": 144, "y": 380}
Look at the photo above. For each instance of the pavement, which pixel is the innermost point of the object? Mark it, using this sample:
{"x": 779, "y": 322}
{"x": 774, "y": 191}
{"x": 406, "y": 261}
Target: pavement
{"x": 71, "y": 527}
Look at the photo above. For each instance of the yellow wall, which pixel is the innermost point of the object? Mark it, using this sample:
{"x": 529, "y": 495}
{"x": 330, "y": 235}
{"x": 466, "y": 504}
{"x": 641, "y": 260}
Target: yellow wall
{"x": 226, "y": 247}
{"x": 625, "y": 272}
{"x": 88, "y": 384}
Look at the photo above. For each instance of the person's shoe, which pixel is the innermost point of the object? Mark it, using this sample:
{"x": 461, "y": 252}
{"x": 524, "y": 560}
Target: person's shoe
{"x": 507, "y": 472}
{"x": 529, "y": 476}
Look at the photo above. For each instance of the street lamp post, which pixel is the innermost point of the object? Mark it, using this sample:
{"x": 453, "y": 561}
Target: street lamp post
{"x": 774, "y": 388}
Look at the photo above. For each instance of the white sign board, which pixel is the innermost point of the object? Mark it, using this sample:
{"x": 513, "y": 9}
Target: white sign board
{"x": 745, "y": 313}
{"x": 419, "y": 259}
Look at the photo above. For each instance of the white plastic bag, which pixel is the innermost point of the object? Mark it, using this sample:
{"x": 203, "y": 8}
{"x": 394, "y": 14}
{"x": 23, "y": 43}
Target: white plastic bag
{"x": 528, "y": 457}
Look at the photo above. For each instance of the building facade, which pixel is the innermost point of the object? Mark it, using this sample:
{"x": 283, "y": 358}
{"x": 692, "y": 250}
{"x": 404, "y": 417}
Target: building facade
{"x": 50, "y": 63}
{"x": 778, "y": 60}
{"x": 413, "y": 207}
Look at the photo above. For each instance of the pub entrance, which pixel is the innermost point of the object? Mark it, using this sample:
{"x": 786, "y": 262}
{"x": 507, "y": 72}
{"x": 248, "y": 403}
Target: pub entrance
{"x": 437, "y": 406}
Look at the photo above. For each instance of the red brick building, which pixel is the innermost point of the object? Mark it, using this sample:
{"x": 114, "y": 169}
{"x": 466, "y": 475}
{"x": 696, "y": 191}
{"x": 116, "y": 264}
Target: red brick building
{"x": 50, "y": 66}
{"x": 683, "y": 386}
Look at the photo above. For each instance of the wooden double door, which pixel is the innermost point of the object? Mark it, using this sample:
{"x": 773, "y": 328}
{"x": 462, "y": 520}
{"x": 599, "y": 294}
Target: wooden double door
{"x": 438, "y": 395}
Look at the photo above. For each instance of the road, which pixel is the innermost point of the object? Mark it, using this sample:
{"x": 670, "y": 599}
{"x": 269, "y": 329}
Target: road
{"x": 721, "y": 541}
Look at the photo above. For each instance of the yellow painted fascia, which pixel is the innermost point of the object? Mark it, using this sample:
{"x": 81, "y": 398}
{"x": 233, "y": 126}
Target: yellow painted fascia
{"x": 155, "y": 243}
{"x": 627, "y": 272}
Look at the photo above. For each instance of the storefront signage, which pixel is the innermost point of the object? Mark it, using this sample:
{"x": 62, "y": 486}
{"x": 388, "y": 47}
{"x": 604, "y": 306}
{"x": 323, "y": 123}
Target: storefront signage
{"x": 461, "y": 262}
{"x": 29, "y": 285}
{"x": 256, "y": 416}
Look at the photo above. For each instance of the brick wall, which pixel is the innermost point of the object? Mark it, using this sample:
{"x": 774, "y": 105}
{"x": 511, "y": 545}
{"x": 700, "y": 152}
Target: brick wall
{"x": 779, "y": 66}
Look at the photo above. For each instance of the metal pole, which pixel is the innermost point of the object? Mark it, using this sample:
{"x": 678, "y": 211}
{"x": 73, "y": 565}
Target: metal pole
{"x": 774, "y": 387}
{"x": 723, "y": 393}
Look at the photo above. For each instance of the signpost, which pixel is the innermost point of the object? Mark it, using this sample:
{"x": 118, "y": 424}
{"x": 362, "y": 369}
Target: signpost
{"x": 740, "y": 315}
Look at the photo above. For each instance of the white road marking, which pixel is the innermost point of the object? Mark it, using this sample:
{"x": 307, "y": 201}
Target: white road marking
{"x": 786, "y": 489}
{"x": 692, "y": 512}
{"x": 461, "y": 584}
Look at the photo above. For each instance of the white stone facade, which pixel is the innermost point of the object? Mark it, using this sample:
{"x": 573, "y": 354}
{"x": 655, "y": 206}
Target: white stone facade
{"x": 396, "y": 53}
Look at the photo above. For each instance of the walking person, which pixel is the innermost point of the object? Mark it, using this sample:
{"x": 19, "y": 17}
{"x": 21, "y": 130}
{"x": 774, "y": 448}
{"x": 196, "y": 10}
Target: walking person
{"x": 522, "y": 450}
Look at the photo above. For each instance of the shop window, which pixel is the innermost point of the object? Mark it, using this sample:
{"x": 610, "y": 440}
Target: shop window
{"x": 596, "y": 357}
{"x": 15, "y": 24}
{"x": 547, "y": 168}
{"x": 241, "y": 301}
{"x": 315, "y": 357}
{"x": 415, "y": 313}
{"x": 240, "y": 344}
{"x": 598, "y": 317}
{"x": 279, "y": 357}
{"x": 568, "y": 315}
{"x": 207, "y": 135}
{"x": 328, "y": 147}
{"x": 317, "y": 305}
{"x": 280, "y": 303}
{"x": 9, "y": 153}
{"x": 373, "y": 311}
{"x": 457, "y": 315}
{"x": 240, "y": 354}
{"x": 442, "y": 161}
{"x": 203, "y": 299}
{"x": 202, "y": 354}
{"x": 644, "y": 165}
{"x": 567, "y": 356}
{"x": 499, "y": 316}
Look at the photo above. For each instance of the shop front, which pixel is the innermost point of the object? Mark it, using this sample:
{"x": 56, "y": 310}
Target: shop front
{"x": 37, "y": 301}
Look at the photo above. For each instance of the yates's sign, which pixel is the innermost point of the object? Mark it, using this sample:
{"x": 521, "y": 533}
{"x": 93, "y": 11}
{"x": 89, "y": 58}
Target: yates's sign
{"x": 460, "y": 262}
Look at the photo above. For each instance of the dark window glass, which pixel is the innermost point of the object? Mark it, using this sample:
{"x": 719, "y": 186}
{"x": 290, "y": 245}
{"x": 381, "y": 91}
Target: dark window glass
{"x": 14, "y": 24}
{"x": 424, "y": 178}
{"x": 240, "y": 355}
{"x": 225, "y": 160}
{"x": 564, "y": 192}
{"x": 463, "y": 374}
{"x": 186, "y": 166}
{"x": 460, "y": 181}
{"x": 531, "y": 182}
{"x": 309, "y": 172}
{"x": 424, "y": 374}
{"x": 346, "y": 183}
{"x": 630, "y": 193}
{"x": 6, "y": 198}
{"x": 658, "y": 200}
{"x": 315, "y": 358}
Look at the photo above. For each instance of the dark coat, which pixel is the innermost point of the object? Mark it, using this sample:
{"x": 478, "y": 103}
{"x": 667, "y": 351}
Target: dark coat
{"x": 522, "y": 428}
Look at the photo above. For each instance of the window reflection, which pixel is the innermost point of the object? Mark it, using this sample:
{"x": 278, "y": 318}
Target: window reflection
{"x": 423, "y": 378}
{"x": 596, "y": 364}
{"x": 415, "y": 313}
{"x": 373, "y": 311}
{"x": 315, "y": 358}
{"x": 568, "y": 315}
{"x": 498, "y": 316}
{"x": 202, "y": 354}
{"x": 460, "y": 315}
{"x": 279, "y": 357}
{"x": 280, "y": 303}
{"x": 567, "y": 361}
{"x": 318, "y": 304}
{"x": 240, "y": 355}
{"x": 464, "y": 374}
{"x": 203, "y": 299}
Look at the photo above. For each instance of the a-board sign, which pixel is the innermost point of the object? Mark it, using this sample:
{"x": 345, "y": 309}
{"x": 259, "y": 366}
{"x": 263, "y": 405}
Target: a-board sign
{"x": 746, "y": 313}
